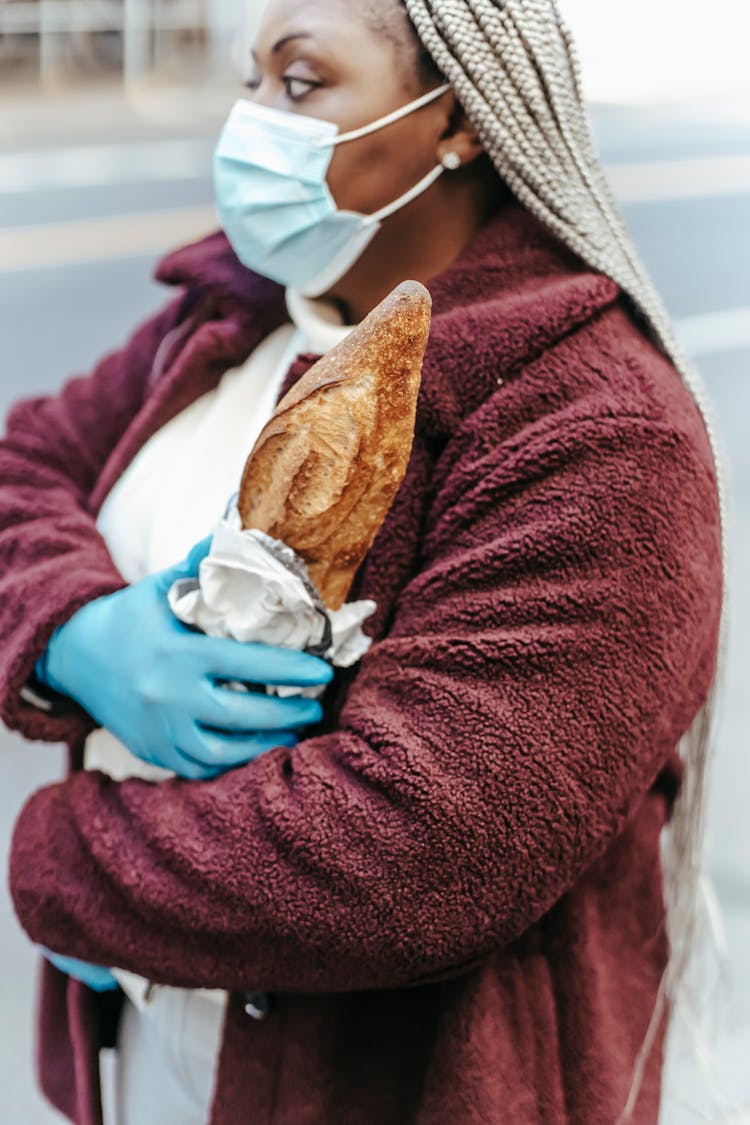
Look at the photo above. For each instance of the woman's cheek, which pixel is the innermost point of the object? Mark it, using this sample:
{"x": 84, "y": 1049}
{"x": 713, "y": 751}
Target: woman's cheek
{"x": 367, "y": 180}
{"x": 354, "y": 182}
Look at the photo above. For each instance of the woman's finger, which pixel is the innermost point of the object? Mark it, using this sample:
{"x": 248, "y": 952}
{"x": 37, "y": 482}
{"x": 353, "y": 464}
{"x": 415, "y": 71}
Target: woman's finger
{"x": 226, "y": 659}
{"x": 228, "y": 709}
{"x": 217, "y": 752}
{"x": 190, "y": 768}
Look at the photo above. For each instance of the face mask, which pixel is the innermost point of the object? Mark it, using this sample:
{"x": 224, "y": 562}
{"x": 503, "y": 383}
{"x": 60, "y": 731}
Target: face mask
{"x": 274, "y": 203}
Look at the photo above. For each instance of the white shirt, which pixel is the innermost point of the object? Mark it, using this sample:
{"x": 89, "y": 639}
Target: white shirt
{"x": 179, "y": 484}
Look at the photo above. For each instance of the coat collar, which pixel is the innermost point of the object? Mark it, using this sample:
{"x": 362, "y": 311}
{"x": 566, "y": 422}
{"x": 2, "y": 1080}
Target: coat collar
{"x": 511, "y": 252}
{"x": 511, "y": 294}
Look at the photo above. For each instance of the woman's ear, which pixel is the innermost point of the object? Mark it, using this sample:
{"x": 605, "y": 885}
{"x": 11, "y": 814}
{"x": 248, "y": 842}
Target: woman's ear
{"x": 459, "y": 144}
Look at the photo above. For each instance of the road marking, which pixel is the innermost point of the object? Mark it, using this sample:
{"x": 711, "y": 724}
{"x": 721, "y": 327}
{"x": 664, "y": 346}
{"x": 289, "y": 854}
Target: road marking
{"x": 660, "y": 180}
{"x": 105, "y": 165}
{"x": 152, "y": 233}
{"x": 712, "y": 333}
{"x": 107, "y": 239}
{"x": 190, "y": 159}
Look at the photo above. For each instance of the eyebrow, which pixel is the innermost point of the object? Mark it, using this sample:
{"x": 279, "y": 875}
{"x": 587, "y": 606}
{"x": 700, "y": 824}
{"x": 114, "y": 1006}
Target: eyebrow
{"x": 283, "y": 42}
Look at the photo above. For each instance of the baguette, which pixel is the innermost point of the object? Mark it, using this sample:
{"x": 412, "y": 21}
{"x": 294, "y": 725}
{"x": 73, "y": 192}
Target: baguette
{"x": 327, "y": 466}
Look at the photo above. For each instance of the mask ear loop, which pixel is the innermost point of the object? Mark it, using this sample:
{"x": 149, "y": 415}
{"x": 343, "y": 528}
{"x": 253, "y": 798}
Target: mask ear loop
{"x": 427, "y": 181}
{"x": 396, "y": 115}
{"x": 433, "y": 175}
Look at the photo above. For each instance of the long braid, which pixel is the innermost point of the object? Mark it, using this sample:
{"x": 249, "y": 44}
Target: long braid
{"x": 514, "y": 67}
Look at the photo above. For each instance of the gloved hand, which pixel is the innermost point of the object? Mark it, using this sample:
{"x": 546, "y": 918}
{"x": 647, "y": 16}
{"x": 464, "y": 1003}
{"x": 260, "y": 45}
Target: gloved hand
{"x": 101, "y": 980}
{"x": 160, "y": 686}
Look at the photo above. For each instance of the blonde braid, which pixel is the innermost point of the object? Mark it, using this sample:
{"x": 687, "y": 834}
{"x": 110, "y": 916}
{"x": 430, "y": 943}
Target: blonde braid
{"x": 515, "y": 69}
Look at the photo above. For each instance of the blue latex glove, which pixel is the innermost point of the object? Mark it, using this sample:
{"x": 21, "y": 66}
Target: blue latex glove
{"x": 160, "y": 686}
{"x": 101, "y": 980}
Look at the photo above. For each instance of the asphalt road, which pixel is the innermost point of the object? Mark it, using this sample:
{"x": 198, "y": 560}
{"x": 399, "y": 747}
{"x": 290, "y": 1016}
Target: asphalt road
{"x": 79, "y": 235}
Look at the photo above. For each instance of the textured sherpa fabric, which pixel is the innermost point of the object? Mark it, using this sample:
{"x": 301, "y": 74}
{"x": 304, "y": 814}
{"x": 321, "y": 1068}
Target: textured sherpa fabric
{"x": 451, "y": 889}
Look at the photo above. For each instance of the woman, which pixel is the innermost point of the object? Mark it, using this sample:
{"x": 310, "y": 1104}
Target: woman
{"x": 443, "y": 901}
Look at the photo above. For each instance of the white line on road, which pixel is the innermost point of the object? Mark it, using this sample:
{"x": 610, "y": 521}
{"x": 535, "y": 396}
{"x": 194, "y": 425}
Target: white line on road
{"x": 711, "y": 333}
{"x": 108, "y": 239}
{"x": 190, "y": 158}
{"x": 660, "y": 180}
{"x": 149, "y": 234}
{"x": 105, "y": 165}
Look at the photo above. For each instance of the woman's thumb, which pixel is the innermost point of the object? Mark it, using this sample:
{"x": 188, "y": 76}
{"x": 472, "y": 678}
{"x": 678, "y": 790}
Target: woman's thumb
{"x": 189, "y": 566}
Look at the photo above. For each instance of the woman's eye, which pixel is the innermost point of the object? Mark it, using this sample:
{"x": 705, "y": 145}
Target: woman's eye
{"x": 297, "y": 88}
{"x": 252, "y": 83}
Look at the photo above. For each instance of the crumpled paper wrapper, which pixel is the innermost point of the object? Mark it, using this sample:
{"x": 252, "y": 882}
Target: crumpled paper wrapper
{"x": 253, "y": 588}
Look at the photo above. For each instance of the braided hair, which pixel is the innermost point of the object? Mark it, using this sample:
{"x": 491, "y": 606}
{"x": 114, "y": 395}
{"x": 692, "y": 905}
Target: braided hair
{"x": 514, "y": 68}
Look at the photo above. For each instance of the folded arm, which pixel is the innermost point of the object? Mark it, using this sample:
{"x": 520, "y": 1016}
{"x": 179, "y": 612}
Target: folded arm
{"x": 541, "y": 667}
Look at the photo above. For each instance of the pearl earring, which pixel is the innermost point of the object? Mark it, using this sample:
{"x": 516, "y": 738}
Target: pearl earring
{"x": 451, "y": 161}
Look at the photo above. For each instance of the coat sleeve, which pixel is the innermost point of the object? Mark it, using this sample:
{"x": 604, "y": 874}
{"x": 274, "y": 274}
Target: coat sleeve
{"x": 52, "y": 558}
{"x": 554, "y": 646}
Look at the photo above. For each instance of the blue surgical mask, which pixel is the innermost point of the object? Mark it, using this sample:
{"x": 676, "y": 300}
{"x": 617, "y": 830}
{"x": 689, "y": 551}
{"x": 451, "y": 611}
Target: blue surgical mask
{"x": 273, "y": 201}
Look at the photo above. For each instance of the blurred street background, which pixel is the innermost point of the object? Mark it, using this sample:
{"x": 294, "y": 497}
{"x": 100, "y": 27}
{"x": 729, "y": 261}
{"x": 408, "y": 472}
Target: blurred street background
{"x": 109, "y": 111}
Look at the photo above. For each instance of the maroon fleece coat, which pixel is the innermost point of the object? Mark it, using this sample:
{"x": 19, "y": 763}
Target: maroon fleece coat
{"x": 451, "y": 889}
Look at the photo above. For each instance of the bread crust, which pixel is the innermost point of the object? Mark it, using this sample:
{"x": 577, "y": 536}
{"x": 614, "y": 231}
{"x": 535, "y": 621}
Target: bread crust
{"x": 328, "y": 464}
